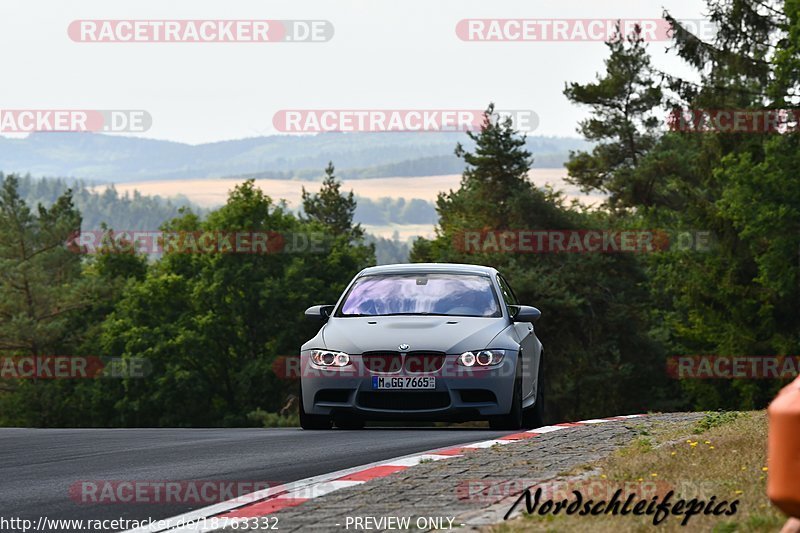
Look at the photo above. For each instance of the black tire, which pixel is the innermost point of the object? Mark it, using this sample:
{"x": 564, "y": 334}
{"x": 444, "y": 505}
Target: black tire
{"x": 513, "y": 420}
{"x": 534, "y": 417}
{"x": 349, "y": 422}
{"x": 313, "y": 421}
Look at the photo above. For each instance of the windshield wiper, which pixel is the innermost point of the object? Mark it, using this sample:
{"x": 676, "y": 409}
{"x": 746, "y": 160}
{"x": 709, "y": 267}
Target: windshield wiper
{"x": 415, "y": 314}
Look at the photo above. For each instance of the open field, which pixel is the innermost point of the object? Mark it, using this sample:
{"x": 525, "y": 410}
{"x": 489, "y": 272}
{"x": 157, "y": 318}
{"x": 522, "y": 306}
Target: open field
{"x": 213, "y": 192}
{"x": 404, "y": 232}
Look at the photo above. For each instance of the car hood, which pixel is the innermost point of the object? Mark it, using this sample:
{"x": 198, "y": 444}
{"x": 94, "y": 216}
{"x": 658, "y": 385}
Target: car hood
{"x": 448, "y": 334}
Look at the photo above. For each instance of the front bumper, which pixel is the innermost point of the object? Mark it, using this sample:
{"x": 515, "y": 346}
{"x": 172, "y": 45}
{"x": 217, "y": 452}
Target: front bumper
{"x": 461, "y": 393}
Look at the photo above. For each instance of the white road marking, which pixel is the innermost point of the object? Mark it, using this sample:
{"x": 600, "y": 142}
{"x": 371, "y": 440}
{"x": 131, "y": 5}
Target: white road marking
{"x": 317, "y": 486}
{"x": 547, "y": 429}
{"x": 319, "y": 489}
{"x": 488, "y": 443}
{"x": 415, "y": 459}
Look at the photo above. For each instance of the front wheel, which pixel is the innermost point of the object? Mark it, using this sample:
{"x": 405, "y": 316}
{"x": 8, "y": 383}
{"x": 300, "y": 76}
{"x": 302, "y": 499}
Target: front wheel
{"x": 513, "y": 420}
{"x": 313, "y": 421}
{"x": 534, "y": 417}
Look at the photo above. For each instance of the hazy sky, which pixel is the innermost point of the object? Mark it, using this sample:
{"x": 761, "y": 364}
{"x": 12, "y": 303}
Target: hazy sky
{"x": 384, "y": 55}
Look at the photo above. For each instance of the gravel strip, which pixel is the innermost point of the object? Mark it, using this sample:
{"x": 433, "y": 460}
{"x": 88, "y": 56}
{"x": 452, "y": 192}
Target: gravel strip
{"x": 446, "y": 490}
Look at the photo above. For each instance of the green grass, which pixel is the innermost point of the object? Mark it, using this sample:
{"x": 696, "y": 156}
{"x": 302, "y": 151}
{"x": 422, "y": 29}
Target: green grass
{"x": 722, "y": 455}
{"x": 714, "y": 419}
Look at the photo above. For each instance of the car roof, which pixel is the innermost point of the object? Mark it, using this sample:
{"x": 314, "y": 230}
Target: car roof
{"x": 455, "y": 268}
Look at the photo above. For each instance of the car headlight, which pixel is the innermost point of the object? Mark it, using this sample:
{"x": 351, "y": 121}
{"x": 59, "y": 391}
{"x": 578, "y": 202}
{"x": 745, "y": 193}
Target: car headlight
{"x": 328, "y": 358}
{"x": 481, "y": 358}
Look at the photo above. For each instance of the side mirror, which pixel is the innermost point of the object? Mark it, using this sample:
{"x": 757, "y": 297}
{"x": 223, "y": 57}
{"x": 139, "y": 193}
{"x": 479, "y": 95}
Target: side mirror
{"x": 526, "y": 313}
{"x": 319, "y": 313}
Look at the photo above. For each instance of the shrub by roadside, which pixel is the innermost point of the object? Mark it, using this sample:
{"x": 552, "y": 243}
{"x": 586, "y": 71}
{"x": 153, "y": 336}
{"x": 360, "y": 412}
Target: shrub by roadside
{"x": 261, "y": 418}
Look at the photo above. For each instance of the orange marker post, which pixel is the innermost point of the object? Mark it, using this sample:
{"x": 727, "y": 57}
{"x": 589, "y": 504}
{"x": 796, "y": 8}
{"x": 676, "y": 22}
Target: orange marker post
{"x": 783, "y": 450}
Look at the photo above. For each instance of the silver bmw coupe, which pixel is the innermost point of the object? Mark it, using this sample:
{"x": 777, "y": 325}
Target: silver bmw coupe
{"x": 444, "y": 342}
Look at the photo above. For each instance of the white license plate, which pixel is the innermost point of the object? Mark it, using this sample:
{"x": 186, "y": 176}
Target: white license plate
{"x": 403, "y": 383}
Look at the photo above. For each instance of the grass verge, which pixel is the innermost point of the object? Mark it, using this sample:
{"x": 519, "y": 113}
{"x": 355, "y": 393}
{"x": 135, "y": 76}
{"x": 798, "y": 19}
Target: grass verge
{"x": 722, "y": 456}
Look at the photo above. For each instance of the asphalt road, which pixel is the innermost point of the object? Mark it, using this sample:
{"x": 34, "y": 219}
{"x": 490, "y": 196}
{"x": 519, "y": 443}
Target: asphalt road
{"x": 41, "y": 465}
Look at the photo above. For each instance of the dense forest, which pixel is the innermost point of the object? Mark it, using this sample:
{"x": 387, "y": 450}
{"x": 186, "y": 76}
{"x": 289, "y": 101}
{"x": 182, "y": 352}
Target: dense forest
{"x": 613, "y": 321}
{"x": 127, "y": 211}
{"x": 214, "y": 326}
{"x": 138, "y": 211}
{"x": 141, "y": 212}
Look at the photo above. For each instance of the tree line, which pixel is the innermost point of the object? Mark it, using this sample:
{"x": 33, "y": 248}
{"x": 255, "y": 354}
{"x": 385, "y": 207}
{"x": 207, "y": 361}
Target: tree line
{"x": 612, "y": 322}
{"x": 213, "y": 326}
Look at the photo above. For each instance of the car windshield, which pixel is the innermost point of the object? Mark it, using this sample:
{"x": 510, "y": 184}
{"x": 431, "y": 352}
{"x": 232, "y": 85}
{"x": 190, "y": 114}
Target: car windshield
{"x": 421, "y": 294}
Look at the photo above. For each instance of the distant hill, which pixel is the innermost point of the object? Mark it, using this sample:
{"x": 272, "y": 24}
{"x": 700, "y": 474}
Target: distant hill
{"x": 112, "y": 159}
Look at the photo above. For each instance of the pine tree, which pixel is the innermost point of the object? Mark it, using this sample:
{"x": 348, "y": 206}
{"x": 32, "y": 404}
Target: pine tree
{"x": 622, "y": 123}
{"x": 331, "y": 208}
{"x": 39, "y": 274}
{"x": 595, "y": 325}
{"x": 742, "y": 187}
{"x": 497, "y": 170}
